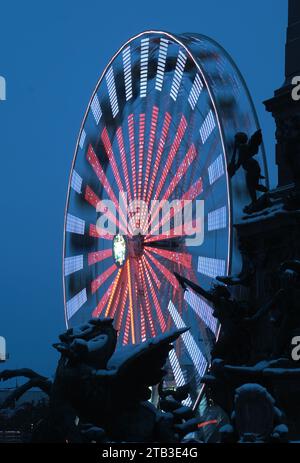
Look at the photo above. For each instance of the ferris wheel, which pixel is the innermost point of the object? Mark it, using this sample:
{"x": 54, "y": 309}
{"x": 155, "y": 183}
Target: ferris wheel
{"x": 158, "y": 131}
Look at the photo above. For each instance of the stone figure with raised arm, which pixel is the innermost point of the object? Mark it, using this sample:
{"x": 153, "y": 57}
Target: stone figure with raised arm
{"x": 243, "y": 156}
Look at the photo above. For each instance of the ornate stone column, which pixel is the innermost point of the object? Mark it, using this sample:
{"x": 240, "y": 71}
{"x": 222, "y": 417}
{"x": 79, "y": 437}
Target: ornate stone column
{"x": 285, "y": 110}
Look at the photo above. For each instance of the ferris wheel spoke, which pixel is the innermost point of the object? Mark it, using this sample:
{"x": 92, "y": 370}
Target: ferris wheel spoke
{"x": 110, "y": 154}
{"x": 157, "y": 306}
{"x": 195, "y": 190}
{"x": 98, "y": 256}
{"x": 120, "y": 139}
{"x": 114, "y": 291}
{"x": 127, "y": 328}
{"x": 152, "y": 272}
{"x": 138, "y": 302}
{"x": 94, "y": 162}
{"x": 95, "y": 201}
{"x": 123, "y": 299}
{"x": 180, "y": 258}
{"x": 121, "y": 310}
{"x": 138, "y": 305}
{"x": 146, "y": 299}
{"x": 171, "y": 155}
{"x": 163, "y": 269}
{"x": 141, "y": 147}
{"x": 159, "y": 153}
{"x": 130, "y": 309}
{"x": 103, "y": 301}
{"x": 125, "y": 172}
{"x": 181, "y": 171}
{"x": 174, "y": 234}
{"x": 95, "y": 284}
{"x": 97, "y": 232}
{"x": 115, "y": 307}
{"x": 152, "y": 136}
{"x": 141, "y": 153}
{"x": 153, "y": 126}
{"x": 143, "y": 324}
{"x": 132, "y": 152}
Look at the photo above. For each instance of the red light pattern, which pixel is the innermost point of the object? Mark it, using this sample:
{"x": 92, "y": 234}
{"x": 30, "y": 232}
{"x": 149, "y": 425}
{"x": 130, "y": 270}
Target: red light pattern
{"x": 141, "y": 153}
{"x": 103, "y": 301}
{"x": 170, "y": 277}
{"x": 102, "y": 278}
{"x": 170, "y": 158}
{"x": 94, "y": 162}
{"x": 127, "y": 328}
{"x": 187, "y": 161}
{"x": 111, "y": 157}
{"x": 152, "y": 135}
{"x": 207, "y": 423}
{"x": 121, "y": 310}
{"x": 152, "y": 272}
{"x": 124, "y": 161}
{"x": 95, "y": 201}
{"x": 132, "y": 151}
{"x": 96, "y": 232}
{"x": 154, "y": 119}
{"x": 147, "y": 302}
{"x": 191, "y": 194}
{"x": 94, "y": 257}
{"x": 160, "y": 316}
{"x": 181, "y": 258}
{"x": 116, "y": 289}
{"x": 161, "y": 145}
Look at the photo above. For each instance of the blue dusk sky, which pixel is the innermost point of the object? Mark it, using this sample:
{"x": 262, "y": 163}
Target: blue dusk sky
{"x": 51, "y": 55}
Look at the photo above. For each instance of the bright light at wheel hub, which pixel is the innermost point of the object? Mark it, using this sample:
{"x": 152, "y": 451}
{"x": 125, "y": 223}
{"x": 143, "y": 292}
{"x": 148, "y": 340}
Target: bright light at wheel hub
{"x": 119, "y": 250}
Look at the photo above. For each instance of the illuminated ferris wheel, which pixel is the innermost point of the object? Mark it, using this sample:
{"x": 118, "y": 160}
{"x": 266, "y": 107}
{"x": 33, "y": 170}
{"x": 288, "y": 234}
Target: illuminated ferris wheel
{"x": 159, "y": 129}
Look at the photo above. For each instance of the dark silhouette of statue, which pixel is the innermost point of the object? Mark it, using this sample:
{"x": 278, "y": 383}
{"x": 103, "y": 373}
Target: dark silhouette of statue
{"x": 234, "y": 342}
{"x": 101, "y": 393}
{"x": 255, "y": 418}
{"x": 243, "y": 156}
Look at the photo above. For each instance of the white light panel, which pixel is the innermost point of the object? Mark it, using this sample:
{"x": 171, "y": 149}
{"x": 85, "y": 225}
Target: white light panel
{"x": 144, "y": 67}
{"x": 217, "y": 220}
{"x": 112, "y": 92}
{"x": 179, "y": 69}
{"x": 162, "y": 57}
{"x": 73, "y": 264}
{"x": 126, "y": 54}
{"x": 75, "y": 225}
{"x": 216, "y": 170}
{"x": 74, "y": 304}
{"x": 195, "y": 91}
{"x": 76, "y": 182}
{"x": 207, "y": 126}
{"x": 96, "y": 110}
{"x": 211, "y": 267}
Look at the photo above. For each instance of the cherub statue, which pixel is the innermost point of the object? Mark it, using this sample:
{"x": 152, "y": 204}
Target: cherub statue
{"x": 243, "y": 156}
